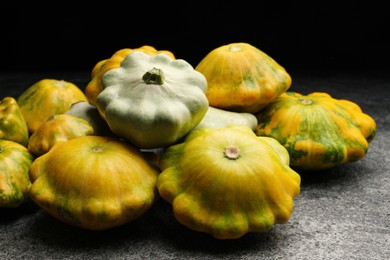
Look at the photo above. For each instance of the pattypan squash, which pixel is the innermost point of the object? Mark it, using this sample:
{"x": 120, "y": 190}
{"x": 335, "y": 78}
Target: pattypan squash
{"x": 94, "y": 87}
{"x": 318, "y": 131}
{"x": 152, "y": 100}
{"x": 86, "y": 111}
{"x": 93, "y": 182}
{"x": 57, "y": 128}
{"x": 45, "y": 98}
{"x": 242, "y": 78}
{"x": 227, "y": 181}
{"x": 13, "y": 127}
{"x": 15, "y": 161}
{"x": 216, "y": 117}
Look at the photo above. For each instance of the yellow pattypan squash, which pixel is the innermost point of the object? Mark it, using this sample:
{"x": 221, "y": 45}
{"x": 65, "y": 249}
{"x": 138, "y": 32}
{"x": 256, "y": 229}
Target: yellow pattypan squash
{"x": 318, "y": 131}
{"x": 57, "y": 128}
{"x": 242, "y": 78}
{"x": 13, "y": 127}
{"x": 93, "y": 182}
{"x": 228, "y": 181}
{"x": 45, "y": 98}
{"x": 94, "y": 87}
{"x": 15, "y": 161}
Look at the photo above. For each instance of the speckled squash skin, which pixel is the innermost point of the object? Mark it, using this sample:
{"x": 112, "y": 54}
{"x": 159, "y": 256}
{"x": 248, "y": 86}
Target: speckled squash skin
{"x": 242, "y": 78}
{"x": 227, "y": 182}
{"x": 319, "y": 131}
{"x": 15, "y": 183}
{"x": 94, "y": 87}
{"x": 57, "y": 128}
{"x": 45, "y": 98}
{"x": 13, "y": 127}
{"x": 93, "y": 182}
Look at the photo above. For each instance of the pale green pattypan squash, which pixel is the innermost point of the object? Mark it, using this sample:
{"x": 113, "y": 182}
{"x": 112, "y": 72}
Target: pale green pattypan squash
{"x": 85, "y": 110}
{"x": 216, "y": 117}
{"x": 152, "y": 100}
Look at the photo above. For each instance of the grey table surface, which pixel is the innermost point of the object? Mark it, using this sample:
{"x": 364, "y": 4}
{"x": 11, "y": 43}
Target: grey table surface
{"x": 342, "y": 213}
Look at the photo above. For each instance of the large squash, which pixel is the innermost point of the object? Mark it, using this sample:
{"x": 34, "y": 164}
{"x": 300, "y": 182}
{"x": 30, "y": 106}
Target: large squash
{"x": 15, "y": 161}
{"x": 228, "y": 181}
{"x": 318, "y": 131}
{"x": 242, "y": 78}
{"x": 93, "y": 182}
{"x": 45, "y": 98}
{"x": 94, "y": 86}
{"x": 152, "y": 100}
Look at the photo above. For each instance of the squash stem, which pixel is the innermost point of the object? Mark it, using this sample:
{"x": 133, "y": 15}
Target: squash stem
{"x": 97, "y": 149}
{"x": 306, "y": 101}
{"x": 232, "y": 152}
{"x": 154, "y": 76}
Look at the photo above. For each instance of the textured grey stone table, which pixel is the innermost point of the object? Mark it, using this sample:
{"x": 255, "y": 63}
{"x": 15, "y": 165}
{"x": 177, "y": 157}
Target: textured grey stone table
{"x": 343, "y": 213}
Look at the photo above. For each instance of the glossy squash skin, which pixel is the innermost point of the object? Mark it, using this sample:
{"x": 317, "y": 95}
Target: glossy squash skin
{"x": 319, "y": 132}
{"x": 227, "y": 182}
{"x": 242, "y": 78}
{"x": 94, "y": 87}
{"x": 13, "y": 127}
{"x": 15, "y": 183}
{"x": 57, "y": 128}
{"x": 93, "y": 182}
{"x": 45, "y": 98}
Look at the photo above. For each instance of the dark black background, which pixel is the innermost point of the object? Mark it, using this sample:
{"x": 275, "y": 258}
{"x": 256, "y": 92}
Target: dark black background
{"x": 341, "y": 213}
{"x": 298, "y": 35}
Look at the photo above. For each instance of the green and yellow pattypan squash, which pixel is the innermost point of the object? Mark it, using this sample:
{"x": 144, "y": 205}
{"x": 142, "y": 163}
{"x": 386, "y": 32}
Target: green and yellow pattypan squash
{"x": 318, "y": 131}
{"x": 45, "y": 98}
{"x": 227, "y": 181}
{"x": 15, "y": 161}
{"x": 93, "y": 182}
{"x": 242, "y": 78}
{"x": 152, "y": 100}
{"x": 57, "y": 128}
{"x": 13, "y": 127}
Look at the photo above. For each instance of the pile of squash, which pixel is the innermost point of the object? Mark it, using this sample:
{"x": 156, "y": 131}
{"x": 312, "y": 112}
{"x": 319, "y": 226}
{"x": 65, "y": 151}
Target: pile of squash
{"x": 221, "y": 142}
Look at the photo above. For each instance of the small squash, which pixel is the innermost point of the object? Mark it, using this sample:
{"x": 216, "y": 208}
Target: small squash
{"x": 216, "y": 117}
{"x": 227, "y": 181}
{"x": 319, "y": 132}
{"x": 93, "y": 182}
{"x": 57, "y": 128}
{"x": 94, "y": 87}
{"x": 86, "y": 111}
{"x": 13, "y": 127}
{"x": 242, "y": 78}
{"x": 45, "y": 98}
{"x": 15, "y": 161}
{"x": 152, "y": 100}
